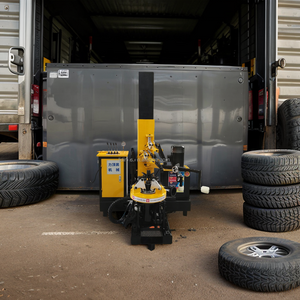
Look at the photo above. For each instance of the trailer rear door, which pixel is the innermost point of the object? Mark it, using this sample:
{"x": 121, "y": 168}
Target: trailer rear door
{"x": 16, "y": 49}
{"x": 9, "y": 37}
{"x": 289, "y": 48}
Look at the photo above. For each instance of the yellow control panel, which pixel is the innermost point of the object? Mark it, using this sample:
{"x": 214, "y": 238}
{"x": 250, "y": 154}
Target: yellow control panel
{"x": 113, "y": 168}
{"x": 112, "y": 173}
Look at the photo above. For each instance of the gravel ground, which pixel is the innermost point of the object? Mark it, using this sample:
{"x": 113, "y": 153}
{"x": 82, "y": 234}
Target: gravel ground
{"x": 63, "y": 248}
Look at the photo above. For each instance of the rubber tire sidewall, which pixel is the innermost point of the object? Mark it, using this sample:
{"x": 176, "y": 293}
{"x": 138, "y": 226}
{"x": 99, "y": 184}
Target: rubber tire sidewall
{"x": 287, "y": 133}
{"x": 272, "y": 220}
{"x": 260, "y": 167}
{"x": 283, "y": 196}
{"x": 27, "y": 185}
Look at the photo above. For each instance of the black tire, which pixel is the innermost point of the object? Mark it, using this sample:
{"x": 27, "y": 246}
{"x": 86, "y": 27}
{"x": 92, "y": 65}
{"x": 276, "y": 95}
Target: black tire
{"x": 26, "y": 181}
{"x": 271, "y": 219}
{"x": 288, "y": 128}
{"x": 271, "y": 167}
{"x": 265, "y": 273}
{"x": 271, "y": 196}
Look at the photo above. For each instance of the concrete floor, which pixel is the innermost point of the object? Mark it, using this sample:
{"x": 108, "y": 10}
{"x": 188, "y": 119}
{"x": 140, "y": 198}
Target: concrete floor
{"x": 8, "y": 151}
{"x": 63, "y": 248}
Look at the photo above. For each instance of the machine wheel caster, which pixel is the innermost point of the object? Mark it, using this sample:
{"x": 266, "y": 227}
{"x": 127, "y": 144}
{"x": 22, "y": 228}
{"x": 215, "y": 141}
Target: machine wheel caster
{"x": 151, "y": 247}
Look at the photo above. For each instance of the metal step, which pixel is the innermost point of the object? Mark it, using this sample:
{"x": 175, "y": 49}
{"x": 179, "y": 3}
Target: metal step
{"x": 151, "y": 233}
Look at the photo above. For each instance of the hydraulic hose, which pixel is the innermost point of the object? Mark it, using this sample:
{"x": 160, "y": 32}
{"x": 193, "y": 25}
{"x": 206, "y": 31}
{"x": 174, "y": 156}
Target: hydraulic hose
{"x": 125, "y": 204}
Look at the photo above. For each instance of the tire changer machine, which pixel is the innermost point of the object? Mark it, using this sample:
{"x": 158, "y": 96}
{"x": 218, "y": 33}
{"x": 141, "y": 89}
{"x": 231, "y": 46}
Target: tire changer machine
{"x": 151, "y": 197}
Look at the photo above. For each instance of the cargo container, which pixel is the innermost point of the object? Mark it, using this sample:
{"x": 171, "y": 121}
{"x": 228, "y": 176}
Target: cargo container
{"x": 193, "y": 38}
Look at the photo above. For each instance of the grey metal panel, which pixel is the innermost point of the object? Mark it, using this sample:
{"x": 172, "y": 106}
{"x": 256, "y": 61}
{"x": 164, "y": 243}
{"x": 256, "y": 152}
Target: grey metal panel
{"x": 288, "y": 79}
{"x": 9, "y": 37}
{"x": 197, "y": 107}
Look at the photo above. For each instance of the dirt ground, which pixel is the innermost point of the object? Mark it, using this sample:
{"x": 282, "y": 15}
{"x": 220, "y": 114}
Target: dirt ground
{"x": 63, "y": 248}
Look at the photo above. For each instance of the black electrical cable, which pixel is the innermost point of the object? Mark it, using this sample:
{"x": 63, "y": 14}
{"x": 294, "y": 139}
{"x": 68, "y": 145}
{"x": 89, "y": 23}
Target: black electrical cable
{"x": 95, "y": 177}
{"x": 126, "y": 210}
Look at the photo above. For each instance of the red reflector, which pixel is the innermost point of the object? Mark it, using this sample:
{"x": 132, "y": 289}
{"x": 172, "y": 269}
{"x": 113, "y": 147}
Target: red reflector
{"x": 12, "y": 127}
{"x": 39, "y": 144}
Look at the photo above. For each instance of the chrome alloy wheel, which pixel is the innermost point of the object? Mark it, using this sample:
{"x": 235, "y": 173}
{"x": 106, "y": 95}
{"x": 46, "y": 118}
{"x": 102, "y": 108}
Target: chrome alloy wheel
{"x": 264, "y": 250}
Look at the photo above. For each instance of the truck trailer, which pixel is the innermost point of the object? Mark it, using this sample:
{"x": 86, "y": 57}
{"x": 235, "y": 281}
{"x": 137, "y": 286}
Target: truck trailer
{"x": 69, "y": 79}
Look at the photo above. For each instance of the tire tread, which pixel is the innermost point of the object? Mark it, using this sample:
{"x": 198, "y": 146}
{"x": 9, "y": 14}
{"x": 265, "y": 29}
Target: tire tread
{"x": 28, "y": 185}
{"x": 271, "y": 196}
{"x": 272, "y": 220}
{"x": 282, "y": 169}
{"x": 288, "y": 136}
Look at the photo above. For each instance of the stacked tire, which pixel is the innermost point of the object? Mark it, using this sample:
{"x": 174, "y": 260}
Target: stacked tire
{"x": 271, "y": 189}
{"x": 288, "y": 127}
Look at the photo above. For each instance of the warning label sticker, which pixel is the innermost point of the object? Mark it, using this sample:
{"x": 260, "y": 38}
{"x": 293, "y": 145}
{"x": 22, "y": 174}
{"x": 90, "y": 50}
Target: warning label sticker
{"x": 113, "y": 167}
{"x": 63, "y": 73}
{"x": 53, "y": 75}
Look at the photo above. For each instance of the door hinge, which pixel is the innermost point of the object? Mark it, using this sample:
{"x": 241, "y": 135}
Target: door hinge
{"x": 16, "y": 57}
{"x": 281, "y": 62}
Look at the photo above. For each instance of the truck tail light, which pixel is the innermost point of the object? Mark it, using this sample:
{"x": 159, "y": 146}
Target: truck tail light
{"x": 35, "y": 100}
{"x": 12, "y": 127}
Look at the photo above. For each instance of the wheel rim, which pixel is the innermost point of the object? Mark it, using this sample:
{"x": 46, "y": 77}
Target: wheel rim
{"x": 263, "y": 249}
{"x": 15, "y": 166}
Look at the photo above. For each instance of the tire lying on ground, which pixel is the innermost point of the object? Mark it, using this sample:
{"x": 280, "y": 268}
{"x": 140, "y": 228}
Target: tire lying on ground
{"x": 261, "y": 264}
{"x": 26, "y": 181}
{"x": 271, "y": 167}
{"x": 288, "y": 136}
{"x": 271, "y": 196}
{"x": 272, "y": 219}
